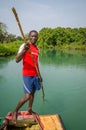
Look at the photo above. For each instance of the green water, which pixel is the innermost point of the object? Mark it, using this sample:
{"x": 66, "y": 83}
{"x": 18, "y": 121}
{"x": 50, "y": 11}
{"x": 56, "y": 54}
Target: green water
{"x": 64, "y": 78}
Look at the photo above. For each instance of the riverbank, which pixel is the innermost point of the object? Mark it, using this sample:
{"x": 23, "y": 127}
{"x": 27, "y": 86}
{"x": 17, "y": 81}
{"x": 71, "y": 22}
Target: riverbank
{"x": 72, "y": 47}
{"x": 12, "y": 48}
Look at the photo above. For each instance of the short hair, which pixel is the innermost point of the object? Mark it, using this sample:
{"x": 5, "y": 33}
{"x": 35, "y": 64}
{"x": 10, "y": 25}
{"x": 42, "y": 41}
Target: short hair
{"x": 33, "y": 31}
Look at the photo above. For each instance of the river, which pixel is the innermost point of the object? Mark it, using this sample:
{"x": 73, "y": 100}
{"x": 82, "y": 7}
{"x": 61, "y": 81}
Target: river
{"x": 64, "y": 80}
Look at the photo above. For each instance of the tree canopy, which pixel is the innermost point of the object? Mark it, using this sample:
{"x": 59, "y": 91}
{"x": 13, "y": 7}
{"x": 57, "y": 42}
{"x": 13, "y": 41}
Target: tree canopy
{"x": 61, "y": 36}
{"x": 5, "y": 37}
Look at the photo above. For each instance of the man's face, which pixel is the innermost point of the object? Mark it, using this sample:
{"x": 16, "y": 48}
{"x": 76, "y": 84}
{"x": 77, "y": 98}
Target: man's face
{"x": 33, "y": 37}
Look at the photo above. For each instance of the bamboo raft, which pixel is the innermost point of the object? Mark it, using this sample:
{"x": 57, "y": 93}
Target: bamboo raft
{"x": 26, "y": 121}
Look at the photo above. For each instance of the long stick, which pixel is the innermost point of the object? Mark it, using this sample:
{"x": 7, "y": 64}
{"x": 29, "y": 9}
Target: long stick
{"x": 17, "y": 19}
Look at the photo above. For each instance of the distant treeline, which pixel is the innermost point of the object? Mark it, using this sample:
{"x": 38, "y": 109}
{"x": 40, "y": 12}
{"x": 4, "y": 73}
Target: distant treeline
{"x": 62, "y": 37}
{"x": 6, "y": 37}
{"x": 9, "y": 43}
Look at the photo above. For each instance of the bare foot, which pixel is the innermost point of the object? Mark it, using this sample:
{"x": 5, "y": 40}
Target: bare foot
{"x": 14, "y": 117}
{"x": 31, "y": 111}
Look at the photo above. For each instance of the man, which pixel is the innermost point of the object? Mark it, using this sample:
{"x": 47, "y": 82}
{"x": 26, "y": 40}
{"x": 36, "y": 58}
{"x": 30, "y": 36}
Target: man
{"x": 28, "y": 52}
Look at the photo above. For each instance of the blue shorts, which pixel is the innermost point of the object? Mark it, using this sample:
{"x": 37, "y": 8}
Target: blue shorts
{"x": 31, "y": 83}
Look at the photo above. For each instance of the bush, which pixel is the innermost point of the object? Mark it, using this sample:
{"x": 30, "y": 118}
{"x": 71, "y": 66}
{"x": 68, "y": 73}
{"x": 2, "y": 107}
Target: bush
{"x": 9, "y": 49}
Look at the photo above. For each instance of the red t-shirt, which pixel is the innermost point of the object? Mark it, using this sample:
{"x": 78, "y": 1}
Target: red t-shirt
{"x": 28, "y": 64}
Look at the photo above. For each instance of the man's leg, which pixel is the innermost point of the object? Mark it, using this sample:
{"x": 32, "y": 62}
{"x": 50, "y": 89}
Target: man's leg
{"x": 31, "y": 101}
{"x": 19, "y": 105}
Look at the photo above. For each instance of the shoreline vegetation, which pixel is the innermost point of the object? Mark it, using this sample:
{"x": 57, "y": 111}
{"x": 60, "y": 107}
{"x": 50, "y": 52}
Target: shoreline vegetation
{"x": 62, "y": 38}
{"x": 12, "y": 48}
{"x": 9, "y": 49}
{"x": 49, "y": 38}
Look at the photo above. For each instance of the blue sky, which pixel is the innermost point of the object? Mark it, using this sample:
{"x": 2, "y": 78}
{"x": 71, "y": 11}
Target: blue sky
{"x": 36, "y": 14}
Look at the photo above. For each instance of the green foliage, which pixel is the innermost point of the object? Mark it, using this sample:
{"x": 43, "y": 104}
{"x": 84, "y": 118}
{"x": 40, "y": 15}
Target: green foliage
{"x": 5, "y": 37}
{"x": 2, "y": 31}
{"x": 9, "y": 43}
{"x": 46, "y": 37}
{"x": 62, "y": 37}
{"x": 9, "y": 49}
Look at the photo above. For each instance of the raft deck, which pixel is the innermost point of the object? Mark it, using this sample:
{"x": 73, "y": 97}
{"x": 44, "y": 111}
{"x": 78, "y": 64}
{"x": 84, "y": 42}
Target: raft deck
{"x": 26, "y": 121}
{"x": 52, "y": 122}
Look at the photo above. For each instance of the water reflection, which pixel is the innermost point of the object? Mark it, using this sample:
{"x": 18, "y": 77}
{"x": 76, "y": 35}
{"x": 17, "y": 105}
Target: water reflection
{"x": 55, "y": 57}
{"x": 66, "y": 58}
{"x": 5, "y": 60}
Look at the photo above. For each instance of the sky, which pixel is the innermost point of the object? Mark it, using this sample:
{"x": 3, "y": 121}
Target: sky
{"x": 37, "y": 14}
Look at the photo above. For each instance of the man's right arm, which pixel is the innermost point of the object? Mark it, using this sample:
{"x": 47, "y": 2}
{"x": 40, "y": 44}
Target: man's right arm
{"x": 21, "y": 51}
{"x": 20, "y": 56}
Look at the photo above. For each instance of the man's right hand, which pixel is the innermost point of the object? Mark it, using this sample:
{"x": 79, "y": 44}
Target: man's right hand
{"x": 26, "y": 46}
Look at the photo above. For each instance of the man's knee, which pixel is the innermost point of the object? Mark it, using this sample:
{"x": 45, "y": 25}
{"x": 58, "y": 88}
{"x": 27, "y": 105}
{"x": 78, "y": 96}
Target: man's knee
{"x": 26, "y": 97}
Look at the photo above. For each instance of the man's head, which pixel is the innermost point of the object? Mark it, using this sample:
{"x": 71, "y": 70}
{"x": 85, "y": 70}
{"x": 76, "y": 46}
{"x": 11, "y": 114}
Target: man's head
{"x": 33, "y": 36}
